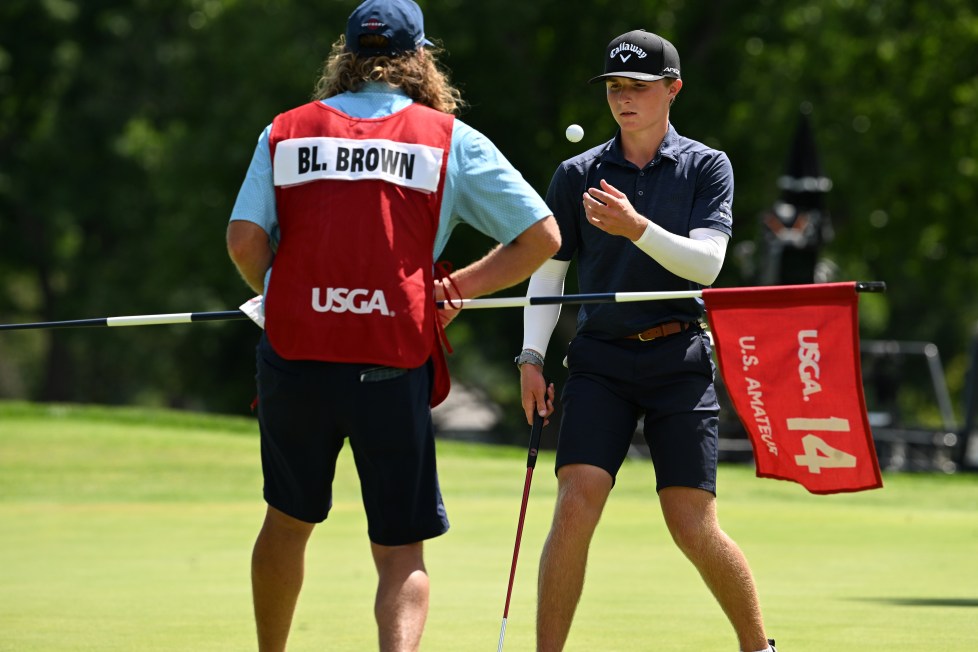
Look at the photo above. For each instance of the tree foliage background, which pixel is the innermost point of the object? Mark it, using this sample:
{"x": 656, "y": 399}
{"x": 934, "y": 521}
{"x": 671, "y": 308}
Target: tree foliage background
{"x": 126, "y": 127}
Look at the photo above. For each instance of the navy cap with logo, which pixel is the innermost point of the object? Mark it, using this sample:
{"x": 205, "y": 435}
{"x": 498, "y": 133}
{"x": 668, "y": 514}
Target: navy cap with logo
{"x": 398, "y": 23}
{"x": 640, "y": 55}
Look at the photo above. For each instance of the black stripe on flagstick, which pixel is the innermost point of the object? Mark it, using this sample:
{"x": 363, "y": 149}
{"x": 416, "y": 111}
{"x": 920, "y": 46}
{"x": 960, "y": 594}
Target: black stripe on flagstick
{"x": 217, "y": 316}
{"x": 870, "y": 286}
{"x": 73, "y": 323}
{"x": 601, "y": 297}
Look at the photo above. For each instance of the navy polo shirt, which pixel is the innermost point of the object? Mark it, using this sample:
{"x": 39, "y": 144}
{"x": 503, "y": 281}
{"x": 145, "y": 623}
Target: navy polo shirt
{"x": 686, "y": 186}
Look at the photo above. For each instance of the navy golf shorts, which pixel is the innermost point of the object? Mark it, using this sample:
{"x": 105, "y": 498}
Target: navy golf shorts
{"x": 668, "y": 380}
{"x": 306, "y": 409}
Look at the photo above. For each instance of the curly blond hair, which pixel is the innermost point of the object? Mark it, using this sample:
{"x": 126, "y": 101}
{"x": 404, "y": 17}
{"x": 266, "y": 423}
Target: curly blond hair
{"x": 417, "y": 73}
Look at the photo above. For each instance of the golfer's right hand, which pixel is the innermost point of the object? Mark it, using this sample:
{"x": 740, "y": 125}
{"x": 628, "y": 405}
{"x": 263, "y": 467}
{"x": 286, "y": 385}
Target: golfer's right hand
{"x": 536, "y": 395}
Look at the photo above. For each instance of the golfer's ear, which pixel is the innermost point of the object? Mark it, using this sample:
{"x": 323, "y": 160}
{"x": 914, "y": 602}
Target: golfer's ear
{"x": 674, "y": 88}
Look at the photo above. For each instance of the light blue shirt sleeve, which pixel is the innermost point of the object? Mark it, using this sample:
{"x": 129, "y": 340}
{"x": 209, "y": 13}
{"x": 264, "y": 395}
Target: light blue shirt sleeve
{"x": 256, "y": 197}
{"x": 482, "y": 189}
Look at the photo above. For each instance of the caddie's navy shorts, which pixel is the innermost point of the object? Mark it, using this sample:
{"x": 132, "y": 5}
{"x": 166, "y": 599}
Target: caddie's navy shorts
{"x": 306, "y": 409}
{"x": 669, "y": 380}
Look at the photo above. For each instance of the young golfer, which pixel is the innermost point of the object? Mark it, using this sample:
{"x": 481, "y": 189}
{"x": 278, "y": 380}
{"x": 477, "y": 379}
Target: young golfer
{"x": 346, "y": 204}
{"x": 649, "y": 210}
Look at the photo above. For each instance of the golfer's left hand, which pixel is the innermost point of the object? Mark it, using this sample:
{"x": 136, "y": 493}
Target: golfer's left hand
{"x": 609, "y": 209}
{"x": 536, "y": 395}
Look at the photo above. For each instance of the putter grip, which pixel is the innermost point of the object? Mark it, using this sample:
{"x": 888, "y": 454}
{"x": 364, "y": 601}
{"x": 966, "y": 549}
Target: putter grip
{"x": 535, "y": 431}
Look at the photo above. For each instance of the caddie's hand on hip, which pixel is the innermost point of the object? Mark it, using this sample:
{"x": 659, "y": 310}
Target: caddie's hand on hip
{"x": 536, "y": 395}
{"x": 609, "y": 209}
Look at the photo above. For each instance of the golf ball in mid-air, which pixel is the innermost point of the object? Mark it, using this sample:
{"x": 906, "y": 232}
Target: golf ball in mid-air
{"x": 574, "y": 133}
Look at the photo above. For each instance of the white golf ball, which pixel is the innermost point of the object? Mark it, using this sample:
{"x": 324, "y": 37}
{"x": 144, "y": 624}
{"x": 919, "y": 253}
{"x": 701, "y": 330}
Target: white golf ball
{"x": 574, "y": 133}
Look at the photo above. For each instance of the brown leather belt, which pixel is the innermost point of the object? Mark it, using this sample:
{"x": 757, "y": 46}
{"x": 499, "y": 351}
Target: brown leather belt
{"x": 661, "y": 330}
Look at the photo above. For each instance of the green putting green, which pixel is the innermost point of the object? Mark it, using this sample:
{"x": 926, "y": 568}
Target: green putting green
{"x": 125, "y": 529}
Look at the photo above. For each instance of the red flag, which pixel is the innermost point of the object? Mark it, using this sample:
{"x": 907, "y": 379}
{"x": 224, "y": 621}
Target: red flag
{"x": 789, "y": 356}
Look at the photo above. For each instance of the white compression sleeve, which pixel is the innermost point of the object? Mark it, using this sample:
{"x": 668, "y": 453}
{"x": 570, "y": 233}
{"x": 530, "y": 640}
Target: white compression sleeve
{"x": 697, "y": 258}
{"x": 539, "y": 321}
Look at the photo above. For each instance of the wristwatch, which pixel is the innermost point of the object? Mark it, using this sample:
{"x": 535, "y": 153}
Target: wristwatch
{"x": 528, "y": 356}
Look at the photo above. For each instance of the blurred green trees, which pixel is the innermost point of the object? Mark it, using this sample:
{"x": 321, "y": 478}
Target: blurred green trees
{"x": 126, "y": 127}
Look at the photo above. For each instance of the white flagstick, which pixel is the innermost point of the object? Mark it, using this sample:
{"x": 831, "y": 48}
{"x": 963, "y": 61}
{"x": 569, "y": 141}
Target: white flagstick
{"x": 252, "y": 309}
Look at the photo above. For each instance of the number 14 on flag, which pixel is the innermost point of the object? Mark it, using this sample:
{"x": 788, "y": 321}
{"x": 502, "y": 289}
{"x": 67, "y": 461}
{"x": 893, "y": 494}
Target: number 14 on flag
{"x": 818, "y": 454}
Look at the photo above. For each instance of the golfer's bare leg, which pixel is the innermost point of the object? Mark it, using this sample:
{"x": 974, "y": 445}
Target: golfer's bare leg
{"x": 691, "y": 517}
{"x": 401, "y": 606}
{"x": 277, "y": 565}
{"x": 582, "y": 491}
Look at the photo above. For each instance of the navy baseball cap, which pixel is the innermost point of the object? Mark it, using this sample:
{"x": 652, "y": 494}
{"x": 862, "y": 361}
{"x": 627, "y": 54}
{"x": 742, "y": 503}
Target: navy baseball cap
{"x": 399, "y": 23}
{"x": 640, "y": 55}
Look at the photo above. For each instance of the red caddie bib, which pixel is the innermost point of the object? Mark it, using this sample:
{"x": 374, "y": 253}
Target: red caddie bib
{"x": 358, "y": 203}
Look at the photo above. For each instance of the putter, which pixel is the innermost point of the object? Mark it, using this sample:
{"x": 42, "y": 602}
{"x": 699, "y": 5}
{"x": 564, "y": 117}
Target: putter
{"x": 531, "y": 461}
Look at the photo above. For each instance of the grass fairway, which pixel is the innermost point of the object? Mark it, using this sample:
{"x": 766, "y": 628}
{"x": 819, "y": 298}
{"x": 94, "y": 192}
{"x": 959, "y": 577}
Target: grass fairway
{"x": 132, "y": 530}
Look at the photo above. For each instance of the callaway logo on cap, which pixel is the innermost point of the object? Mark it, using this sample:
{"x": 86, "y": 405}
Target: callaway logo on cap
{"x": 385, "y": 28}
{"x": 640, "y": 55}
